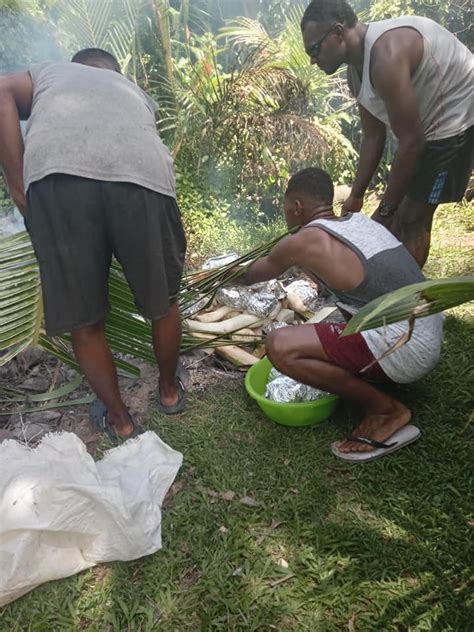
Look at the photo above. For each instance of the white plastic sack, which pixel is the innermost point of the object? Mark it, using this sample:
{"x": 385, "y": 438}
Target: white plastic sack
{"x": 61, "y": 512}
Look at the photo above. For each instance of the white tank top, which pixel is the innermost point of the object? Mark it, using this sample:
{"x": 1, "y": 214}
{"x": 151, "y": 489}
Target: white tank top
{"x": 444, "y": 80}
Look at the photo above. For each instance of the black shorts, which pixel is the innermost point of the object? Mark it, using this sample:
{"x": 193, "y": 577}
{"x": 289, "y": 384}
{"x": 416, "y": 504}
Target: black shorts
{"x": 444, "y": 169}
{"x": 77, "y": 224}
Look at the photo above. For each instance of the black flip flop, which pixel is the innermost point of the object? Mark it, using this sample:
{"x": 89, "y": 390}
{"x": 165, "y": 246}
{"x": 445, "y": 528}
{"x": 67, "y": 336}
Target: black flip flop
{"x": 98, "y": 415}
{"x": 180, "y": 405}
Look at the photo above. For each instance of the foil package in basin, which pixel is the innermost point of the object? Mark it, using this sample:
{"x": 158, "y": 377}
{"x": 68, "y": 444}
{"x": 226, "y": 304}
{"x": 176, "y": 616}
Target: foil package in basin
{"x": 283, "y": 389}
{"x": 221, "y": 260}
{"x": 306, "y": 292}
{"x": 239, "y": 297}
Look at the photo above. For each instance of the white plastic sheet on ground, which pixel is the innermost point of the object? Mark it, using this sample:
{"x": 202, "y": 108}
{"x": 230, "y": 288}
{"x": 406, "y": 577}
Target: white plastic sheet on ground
{"x": 61, "y": 512}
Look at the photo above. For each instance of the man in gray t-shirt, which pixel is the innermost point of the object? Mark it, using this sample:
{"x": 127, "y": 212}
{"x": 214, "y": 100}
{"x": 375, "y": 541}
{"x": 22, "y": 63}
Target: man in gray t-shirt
{"x": 94, "y": 180}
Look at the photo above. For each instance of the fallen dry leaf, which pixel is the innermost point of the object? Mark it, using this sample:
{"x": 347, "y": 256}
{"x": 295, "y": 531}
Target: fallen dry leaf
{"x": 229, "y": 495}
{"x": 249, "y": 502}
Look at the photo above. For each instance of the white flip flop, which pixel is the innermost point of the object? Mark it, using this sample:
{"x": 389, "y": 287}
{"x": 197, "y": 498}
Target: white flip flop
{"x": 406, "y": 435}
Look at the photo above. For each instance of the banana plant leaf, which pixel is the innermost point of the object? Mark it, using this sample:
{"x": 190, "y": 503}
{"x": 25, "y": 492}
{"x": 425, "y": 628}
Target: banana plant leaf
{"x": 412, "y": 301}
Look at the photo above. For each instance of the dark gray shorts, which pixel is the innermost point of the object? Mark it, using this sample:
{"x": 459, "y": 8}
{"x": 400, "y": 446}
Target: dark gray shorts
{"x": 444, "y": 169}
{"x": 77, "y": 224}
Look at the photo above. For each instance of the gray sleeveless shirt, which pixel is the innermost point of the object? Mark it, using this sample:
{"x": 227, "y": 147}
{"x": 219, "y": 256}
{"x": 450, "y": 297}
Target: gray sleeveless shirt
{"x": 388, "y": 266}
{"x": 387, "y": 263}
{"x": 94, "y": 123}
{"x": 443, "y": 82}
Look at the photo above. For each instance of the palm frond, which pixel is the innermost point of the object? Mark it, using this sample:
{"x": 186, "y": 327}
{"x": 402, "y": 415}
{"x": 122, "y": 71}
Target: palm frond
{"x": 87, "y": 21}
{"x": 412, "y": 302}
{"x": 20, "y": 296}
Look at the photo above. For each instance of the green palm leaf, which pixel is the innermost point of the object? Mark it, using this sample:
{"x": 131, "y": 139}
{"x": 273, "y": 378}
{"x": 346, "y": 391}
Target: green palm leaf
{"x": 21, "y": 307}
{"x": 87, "y": 21}
{"x": 411, "y": 302}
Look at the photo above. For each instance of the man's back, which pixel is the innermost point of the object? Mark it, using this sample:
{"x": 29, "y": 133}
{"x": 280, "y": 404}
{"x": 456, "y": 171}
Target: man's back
{"x": 94, "y": 123}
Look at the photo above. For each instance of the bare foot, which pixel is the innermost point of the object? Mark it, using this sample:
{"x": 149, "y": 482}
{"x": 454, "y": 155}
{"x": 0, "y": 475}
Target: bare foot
{"x": 379, "y": 427}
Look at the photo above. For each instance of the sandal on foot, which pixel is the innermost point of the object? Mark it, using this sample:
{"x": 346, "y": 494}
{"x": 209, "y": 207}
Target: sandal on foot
{"x": 180, "y": 405}
{"x": 406, "y": 435}
{"x": 98, "y": 415}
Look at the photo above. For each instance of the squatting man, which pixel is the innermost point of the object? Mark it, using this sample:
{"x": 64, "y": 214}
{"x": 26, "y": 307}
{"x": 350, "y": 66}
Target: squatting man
{"x": 357, "y": 260}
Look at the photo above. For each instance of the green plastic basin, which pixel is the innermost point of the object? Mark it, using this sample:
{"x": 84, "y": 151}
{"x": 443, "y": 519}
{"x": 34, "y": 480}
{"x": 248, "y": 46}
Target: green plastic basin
{"x": 287, "y": 414}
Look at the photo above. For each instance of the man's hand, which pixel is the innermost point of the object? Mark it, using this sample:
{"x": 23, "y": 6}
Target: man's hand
{"x": 19, "y": 199}
{"x": 352, "y": 205}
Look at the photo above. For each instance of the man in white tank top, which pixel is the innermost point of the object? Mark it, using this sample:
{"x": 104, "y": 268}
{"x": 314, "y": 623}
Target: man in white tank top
{"x": 413, "y": 76}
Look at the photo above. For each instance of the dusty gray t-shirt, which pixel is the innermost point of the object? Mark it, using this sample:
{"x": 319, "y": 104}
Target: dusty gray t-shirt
{"x": 94, "y": 123}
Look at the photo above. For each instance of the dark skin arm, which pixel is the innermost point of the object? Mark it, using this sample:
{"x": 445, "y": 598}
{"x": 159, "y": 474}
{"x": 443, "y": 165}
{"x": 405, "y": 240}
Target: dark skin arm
{"x": 284, "y": 255}
{"x": 16, "y": 96}
{"x": 394, "y": 60}
{"x": 312, "y": 249}
{"x": 371, "y": 150}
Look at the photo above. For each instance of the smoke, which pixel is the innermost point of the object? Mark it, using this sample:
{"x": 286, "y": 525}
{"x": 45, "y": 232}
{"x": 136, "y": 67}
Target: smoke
{"x": 26, "y": 36}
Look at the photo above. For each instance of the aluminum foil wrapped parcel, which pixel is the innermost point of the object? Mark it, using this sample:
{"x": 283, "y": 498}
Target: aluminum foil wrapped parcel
{"x": 259, "y": 303}
{"x": 306, "y": 292}
{"x": 221, "y": 260}
{"x": 284, "y": 389}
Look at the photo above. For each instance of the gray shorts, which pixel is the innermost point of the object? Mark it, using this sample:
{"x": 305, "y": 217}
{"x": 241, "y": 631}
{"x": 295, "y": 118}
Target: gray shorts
{"x": 77, "y": 224}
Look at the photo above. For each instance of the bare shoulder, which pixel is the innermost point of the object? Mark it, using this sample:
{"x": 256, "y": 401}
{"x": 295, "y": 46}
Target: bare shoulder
{"x": 395, "y": 46}
{"x": 313, "y": 239}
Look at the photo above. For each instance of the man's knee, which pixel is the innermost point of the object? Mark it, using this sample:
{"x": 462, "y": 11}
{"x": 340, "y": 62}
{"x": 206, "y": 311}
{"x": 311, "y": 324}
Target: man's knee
{"x": 89, "y": 331}
{"x": 278, "y": 349}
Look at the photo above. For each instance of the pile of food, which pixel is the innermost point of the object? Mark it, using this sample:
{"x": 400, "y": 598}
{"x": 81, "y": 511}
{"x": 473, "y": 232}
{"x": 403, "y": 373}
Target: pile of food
{"x": 240, "y": 316}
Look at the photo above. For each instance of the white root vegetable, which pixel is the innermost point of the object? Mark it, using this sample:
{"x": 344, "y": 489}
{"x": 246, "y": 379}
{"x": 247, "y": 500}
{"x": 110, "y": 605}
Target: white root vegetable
{"x": 215, "y": 315}
{"x": 285, "y": 316}
{"x": 224, "y": 326}
{"x": 207, "y": 350}
{"x": 295, "y": 303}
{"x": 245, "y": 335}
{"x": 236, "y": 355}
{"x": 232, "y": 313}
{"x": 321, "y": 314}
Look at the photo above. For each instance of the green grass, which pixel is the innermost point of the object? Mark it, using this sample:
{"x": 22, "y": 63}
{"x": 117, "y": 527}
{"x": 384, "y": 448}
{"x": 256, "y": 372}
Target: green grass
{"x": 384, "y": 546}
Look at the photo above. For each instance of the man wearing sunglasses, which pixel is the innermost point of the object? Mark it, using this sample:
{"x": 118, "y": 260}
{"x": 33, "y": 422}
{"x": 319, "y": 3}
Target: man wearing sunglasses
{"x": 415, "y": 78}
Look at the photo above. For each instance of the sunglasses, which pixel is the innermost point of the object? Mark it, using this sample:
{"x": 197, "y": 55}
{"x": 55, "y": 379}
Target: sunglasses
{"x": 315, "y": 49}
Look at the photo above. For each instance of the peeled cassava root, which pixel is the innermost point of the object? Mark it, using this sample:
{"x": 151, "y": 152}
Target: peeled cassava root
{"x": 236, "y": 355}
{"x": 215, "y": 315}
{"x": 228, "y": 326}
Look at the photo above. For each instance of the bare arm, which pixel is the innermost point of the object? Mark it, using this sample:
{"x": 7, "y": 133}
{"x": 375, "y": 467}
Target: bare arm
{"x": 392, "y": 79}
{"x": 16, "y": 95}
{"x": 283, "y": 256}
{"x": 371, "y": 149}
